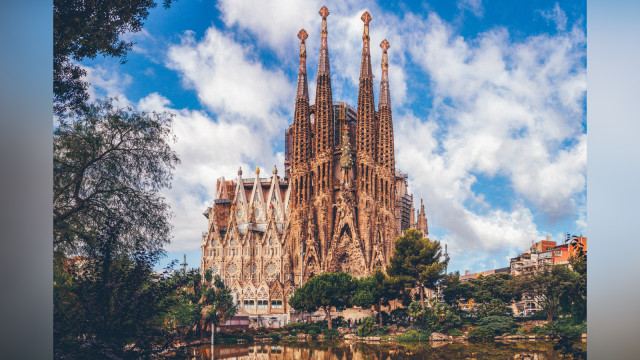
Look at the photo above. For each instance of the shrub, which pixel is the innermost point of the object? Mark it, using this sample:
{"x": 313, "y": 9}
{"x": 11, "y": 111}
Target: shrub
{"x": 539, "y": 330}
{"x": 275, "y": 336}
{"x": 339, "y": 321}
{"x": 413, "y": 335}
{"x": 480, "y": 334}
{"x": 331, "y": 334}
{"x": 367, "y": 327}
{"x": 312, "y": 333}
{"x": 497, "y": 324}
{"x": 455, "y": 332}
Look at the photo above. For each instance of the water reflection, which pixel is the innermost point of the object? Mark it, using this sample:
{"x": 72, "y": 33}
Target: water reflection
{"x": 357, "y": 351}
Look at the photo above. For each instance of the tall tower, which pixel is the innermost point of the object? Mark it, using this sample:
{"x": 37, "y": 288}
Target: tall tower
{"x": 300, "y": 177}
{"x": 323, "y": 143}
{"x": 385, "y": 133}
{"x": 366, "y": 146}
{"x": 385, "y": 151}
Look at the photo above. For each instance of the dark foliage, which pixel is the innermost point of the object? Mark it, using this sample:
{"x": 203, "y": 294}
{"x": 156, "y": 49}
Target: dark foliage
{"x": 324, "y": 291}
{"x": 111, "y": 306}
{"x": 111, "y": 163}
{"x": 83, "y": 30}
{"x": 417, "y": 261}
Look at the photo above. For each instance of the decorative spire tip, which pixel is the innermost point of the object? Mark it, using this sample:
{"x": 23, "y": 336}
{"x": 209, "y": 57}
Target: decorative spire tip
{"x": 302, "y": 34}
{"x": 366, "y": 17}
{"x": 385, "y": 45}
{"x": 324, "y": 12}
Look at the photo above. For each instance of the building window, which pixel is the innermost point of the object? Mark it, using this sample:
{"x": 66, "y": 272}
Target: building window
{"x": 249, "y": 304}
{"x": 276, "y": 304}
{"x": 263, "y": 304}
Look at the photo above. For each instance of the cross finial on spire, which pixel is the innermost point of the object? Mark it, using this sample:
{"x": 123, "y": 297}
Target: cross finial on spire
{"x": 257, "y": 171}
{"x": 324, "y": 12}
{"x": 366, "y": 17}
{"x": 385, "y": 45}
{"x": 240, "y": 170}
{"x": 302, "y": 35}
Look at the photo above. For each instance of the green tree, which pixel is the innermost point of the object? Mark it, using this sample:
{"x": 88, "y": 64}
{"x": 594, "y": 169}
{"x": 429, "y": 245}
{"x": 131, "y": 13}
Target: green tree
{"x": 111, "y": 305}
{"x": 497, "y": 324}
{"x": 376, "y": 290}
{"x": 218, "y": 305}
{"x": 548, "y": 287}
{"x": 575, "y": 299}
{"x": 453, "y": 290}
{"x": 324, "y": 291}
{"x": 495, "y": 287}
{"x": 419, "y": 259}
{"x": 110, "y": 163}
{"x": 83, "y": 30}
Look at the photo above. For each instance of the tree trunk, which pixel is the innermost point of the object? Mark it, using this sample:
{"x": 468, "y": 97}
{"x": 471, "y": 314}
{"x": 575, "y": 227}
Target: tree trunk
{"x": 379, "y": 309}
{"x": 213, "y": 332}
{"x": 327, "y": 312}
{"x": 421, "y": 295}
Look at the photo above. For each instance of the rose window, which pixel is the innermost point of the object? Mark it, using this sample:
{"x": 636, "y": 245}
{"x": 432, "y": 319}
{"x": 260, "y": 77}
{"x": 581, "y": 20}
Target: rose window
{"x": 232, "y": 269}
{"x": 271, "y": 268}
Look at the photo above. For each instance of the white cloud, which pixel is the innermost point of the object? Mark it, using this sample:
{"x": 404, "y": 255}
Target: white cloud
{"x": 501, "y": 108}
{"x": 557, "y": 16}
{"x": 474, "y": 6}
{"x": 107, "y": 82}
{"x": 274, "y": 23}
{"x": 228, "y": 82}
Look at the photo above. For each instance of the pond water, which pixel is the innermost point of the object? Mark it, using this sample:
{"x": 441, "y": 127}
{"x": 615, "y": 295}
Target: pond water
{"x": 538, "y": 350}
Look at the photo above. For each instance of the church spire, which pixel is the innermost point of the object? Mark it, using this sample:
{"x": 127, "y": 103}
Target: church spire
{"x": 302, "y": 126}
{"x": 365, "y": 64}
{"x": 366, "y": 107}
{"x": 323, "y": 140}
{"x": 323, "y": 64}
{"x": 385, "y": 99}
{"x": 385, "y": 135}
{"x": 303, "y": 88}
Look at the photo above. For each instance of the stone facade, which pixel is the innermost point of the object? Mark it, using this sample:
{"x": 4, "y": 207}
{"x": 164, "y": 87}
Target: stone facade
{"x": 339, "y": 206}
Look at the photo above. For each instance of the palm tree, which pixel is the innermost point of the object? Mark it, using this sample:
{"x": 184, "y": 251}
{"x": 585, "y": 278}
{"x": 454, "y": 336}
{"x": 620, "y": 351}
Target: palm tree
{"x": 218, "y": 305}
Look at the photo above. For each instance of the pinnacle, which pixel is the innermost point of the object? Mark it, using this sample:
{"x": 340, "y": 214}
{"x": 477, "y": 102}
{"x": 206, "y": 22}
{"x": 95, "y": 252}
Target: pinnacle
{"x": 385, "y": 45}
{"x": 366, "y": 17}
{"x": 302, "y": 34}
{"x": 324, "y": 12}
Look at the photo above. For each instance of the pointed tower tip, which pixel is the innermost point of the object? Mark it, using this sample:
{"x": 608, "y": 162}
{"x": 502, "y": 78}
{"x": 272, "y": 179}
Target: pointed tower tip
{"x": 275, "y": 170}
{"x": 257, "y": 171}
{"x": 240, "y": 171}
{"x": 366, "y": 17}
{"x": 302, "y": 35}
{"x": 324, "y": 12}
{"x": 385, "y": 45}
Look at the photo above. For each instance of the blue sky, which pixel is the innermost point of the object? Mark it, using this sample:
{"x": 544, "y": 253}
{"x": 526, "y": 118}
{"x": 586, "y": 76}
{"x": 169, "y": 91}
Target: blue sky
{"x": 488, "y": 99}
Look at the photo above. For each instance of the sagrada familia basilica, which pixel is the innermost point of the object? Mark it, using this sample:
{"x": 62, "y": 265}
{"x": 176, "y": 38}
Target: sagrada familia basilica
{"x": 339, "y": 206}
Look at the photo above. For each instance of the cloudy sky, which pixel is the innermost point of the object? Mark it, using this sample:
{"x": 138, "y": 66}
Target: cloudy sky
{"x": 489, "y": 106}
